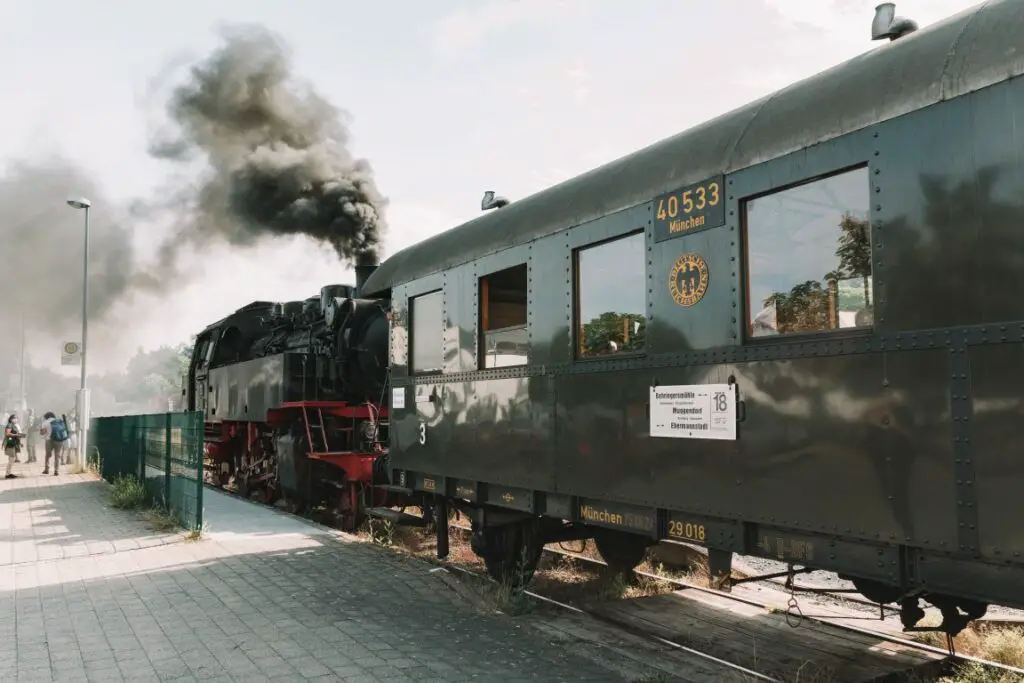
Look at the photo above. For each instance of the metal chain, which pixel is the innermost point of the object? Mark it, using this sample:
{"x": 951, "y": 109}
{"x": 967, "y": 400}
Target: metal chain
{"x": 794, "y": 615}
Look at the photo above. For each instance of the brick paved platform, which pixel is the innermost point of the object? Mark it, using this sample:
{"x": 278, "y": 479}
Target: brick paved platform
{"x": 90, "y": 593}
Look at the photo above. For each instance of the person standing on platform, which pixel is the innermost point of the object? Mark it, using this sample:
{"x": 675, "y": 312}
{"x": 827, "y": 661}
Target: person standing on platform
{"x": 55, "y": 432}
{"x": 71, "y": 448}
{"x": 12, "y": 443}
{"x": 31, "y": 435}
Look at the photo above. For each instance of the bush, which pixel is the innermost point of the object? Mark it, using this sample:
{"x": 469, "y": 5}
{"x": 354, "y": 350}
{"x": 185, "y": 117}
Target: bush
{"x": 127, "y": 492}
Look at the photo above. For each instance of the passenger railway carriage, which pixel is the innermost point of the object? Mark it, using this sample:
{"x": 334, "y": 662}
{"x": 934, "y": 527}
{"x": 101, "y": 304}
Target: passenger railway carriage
{"x": 794, "y": 331}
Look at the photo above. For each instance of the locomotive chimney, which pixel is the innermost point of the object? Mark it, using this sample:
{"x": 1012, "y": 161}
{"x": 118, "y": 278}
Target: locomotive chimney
{"x": 362, "y": 275}
{"x": 887, "y": 25}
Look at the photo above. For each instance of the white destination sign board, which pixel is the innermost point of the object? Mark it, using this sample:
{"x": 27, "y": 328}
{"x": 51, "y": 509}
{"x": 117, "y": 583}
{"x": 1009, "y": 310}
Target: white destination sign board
{"x": 694, "y": 411}
{"x": 397, "y": 398}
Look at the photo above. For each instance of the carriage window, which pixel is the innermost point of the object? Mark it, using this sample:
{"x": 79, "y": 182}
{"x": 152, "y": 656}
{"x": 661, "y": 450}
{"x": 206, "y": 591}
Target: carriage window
{"x": 427, "y": 320}
{"x": 809, "y": 257}
{"x": 610, "y": 297}
{"x": 503, "y": 338}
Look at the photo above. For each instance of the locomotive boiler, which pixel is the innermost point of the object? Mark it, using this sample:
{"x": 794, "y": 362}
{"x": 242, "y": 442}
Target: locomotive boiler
{"x": 293, "y": 398}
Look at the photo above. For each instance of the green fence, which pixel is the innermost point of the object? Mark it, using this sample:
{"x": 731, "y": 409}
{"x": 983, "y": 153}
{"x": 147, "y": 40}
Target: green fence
{"x": 164, "y": 450}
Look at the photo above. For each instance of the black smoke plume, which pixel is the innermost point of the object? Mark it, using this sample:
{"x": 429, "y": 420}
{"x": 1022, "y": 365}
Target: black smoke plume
{"x": 276, "y": 154}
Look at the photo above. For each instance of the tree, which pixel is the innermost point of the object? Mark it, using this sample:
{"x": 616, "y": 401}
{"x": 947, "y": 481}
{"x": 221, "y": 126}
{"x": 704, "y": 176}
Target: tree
{"x": 854, "y": 251}
{"x": 627, "y": 331}
{"x": 804, "y": 309}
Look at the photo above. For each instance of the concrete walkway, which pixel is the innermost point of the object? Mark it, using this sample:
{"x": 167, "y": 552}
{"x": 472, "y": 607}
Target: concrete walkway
{"x": 90, "y": 593}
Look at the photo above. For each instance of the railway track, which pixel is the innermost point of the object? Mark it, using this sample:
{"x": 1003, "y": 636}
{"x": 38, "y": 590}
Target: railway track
{"x": 954, "y": 658}
{"x": 722, "y": 664}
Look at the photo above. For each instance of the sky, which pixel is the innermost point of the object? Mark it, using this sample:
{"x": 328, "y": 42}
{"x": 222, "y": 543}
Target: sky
{"x": 445, "y": 99}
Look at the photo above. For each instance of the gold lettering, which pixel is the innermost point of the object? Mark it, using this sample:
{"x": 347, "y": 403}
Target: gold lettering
{"x": 688, "y": 201}
{"x": 684, "y": 224}
{"x": 428, "y": 484}
{"x": 687, "y": 531}
{"x": 691, "y": 202}
{"x": 594, "y": 515}
{"x": 789, "y": 549}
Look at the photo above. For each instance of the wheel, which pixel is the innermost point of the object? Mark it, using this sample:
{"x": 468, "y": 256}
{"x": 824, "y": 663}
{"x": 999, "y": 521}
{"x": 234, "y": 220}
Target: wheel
{"x": 623, "y": 552}
{"x": 510, "y": 552}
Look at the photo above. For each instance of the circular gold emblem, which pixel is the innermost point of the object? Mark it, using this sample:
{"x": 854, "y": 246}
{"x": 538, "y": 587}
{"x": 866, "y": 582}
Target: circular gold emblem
{"x": 688, "y": 280}
{"x": 71, "y": 348}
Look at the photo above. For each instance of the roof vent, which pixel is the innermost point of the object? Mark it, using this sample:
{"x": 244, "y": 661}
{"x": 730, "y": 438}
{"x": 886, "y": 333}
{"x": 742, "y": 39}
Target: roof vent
{"x": 887, "y": 25}
{"x": 492, "y": 202}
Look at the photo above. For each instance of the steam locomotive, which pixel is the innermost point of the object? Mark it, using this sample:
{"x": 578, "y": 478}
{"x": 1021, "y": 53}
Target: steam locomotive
{"x": 293, "y": 398}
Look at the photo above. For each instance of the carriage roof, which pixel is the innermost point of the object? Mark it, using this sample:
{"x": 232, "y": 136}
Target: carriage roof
{"x": 961, "y": 54}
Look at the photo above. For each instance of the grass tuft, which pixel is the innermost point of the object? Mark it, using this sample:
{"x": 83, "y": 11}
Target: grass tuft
{"x": 160, "y": 519}
{"x": 127, "y": 493}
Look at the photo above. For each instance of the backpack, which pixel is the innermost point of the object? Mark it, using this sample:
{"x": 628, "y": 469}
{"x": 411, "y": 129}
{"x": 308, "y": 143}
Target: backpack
{"x": 58, "y": 432}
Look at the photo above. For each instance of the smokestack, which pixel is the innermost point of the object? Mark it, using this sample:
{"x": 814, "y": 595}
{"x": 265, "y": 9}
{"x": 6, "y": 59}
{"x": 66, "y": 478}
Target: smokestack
{"x": 363, "y": 274}
{"x": 887, "y": 25}
{"x": 492, "y": 202}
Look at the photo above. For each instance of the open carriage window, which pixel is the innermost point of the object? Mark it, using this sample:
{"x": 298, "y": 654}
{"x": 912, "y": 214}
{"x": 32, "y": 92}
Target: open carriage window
{"x": 809, "y": 257}
{"x": 503, "y": 336}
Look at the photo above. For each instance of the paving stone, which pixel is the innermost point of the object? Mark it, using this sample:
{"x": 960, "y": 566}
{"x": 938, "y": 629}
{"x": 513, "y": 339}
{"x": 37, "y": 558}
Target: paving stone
{"x": 97, "y": 596}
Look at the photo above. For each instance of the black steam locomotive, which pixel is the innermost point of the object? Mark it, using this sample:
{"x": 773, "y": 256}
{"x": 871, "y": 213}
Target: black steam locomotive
{"x": 293, "y": 397}
{"x": 793, "y": 331}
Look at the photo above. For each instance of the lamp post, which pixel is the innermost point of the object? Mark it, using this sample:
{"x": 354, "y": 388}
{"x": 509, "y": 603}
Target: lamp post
{"x": 83, "y": 393}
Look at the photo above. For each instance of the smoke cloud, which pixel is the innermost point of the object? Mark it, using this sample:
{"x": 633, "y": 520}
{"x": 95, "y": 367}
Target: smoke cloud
{"x": 276, "y": 155}
{"x": 274, "y": 161}
{"x": 42, "y": 248}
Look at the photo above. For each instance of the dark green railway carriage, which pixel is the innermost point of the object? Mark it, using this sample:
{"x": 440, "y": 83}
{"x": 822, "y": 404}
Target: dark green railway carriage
{"x": 794, "y": 331}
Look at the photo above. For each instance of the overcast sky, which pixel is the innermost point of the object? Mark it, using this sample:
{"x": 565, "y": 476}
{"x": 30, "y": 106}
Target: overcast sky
{"x": 447, "y": 98}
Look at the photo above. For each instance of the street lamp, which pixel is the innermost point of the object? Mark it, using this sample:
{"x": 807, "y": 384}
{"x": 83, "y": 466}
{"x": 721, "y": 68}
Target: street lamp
{"x": 83, "y": 395}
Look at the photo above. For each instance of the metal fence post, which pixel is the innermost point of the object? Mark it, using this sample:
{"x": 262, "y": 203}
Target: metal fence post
{"x": 138, "y": 446}
{"x": 198, "y": 439}
{"x": 167, "y": 461}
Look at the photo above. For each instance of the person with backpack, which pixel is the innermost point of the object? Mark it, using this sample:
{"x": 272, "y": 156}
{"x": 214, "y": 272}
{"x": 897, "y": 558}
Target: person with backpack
{"x": 55, "y": 431}
{"x": 12, "y": 443}
{"x": 71, "y": 447}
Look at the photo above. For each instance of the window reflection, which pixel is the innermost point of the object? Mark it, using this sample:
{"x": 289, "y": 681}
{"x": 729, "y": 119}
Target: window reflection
{"x": 504, "y": 348}
{"x": 503, "y": 302}
{"x": 610, "y": 297}
{"x": 809, "y": 257}
{"x": 427, "y": 318}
